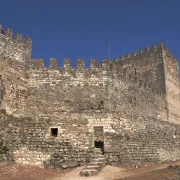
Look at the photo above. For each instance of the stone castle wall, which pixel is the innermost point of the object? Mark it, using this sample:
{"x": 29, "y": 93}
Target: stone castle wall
{"x": 66, "y": 89}
{"x": 132, "y": 141}
{"x": 17, "y": 48}
{"x": 50, "y": 115}
{"x": 15, "y": 86}
{"x": 134, "y": 85}
{"x": 14, "y": 55}
{"x": 137, "y": 85}
{"x": 172, "y": 82}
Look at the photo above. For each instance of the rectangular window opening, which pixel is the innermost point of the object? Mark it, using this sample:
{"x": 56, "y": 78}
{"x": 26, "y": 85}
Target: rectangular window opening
{"x": 54, "y": 132}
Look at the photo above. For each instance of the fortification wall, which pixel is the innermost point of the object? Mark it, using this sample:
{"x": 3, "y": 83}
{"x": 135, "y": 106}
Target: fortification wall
{"x": 172, "y": 86}
{"x": 142, "y": 140}
{"x": 14, "y": 83}
{"x": 59, "y": 107}
{"x": 144, "y": 68}
{"x": 133, "y": 86}
{"x": 30, "y": 141}
{"x": 14, "y": 55}
{"x": 66, "y": 89}
{"x": 133, "y": 101}
{"x": 17, "y": 48}
{"x": 136, "y": 87}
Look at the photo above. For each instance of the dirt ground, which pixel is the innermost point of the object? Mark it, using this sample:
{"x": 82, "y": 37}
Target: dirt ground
{"x": 144, "y": 172}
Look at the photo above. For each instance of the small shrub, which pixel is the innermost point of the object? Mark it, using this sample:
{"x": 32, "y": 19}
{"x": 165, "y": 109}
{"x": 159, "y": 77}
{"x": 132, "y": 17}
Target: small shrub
{"x": 3, "y": 148}
{"x": 86, "y": 174}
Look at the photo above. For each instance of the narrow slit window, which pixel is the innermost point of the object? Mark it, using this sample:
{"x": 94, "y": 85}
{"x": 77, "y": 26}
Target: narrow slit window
{"x": 54, "y": 132}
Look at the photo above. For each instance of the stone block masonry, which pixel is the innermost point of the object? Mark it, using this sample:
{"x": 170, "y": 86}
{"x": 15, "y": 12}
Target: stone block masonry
{"x": 55, "y": 117}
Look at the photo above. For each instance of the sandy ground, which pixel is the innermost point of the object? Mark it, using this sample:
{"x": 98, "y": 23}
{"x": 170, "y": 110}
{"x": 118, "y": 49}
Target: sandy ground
{"x": 113, "y": 173}
{"x": 26, "y": 172}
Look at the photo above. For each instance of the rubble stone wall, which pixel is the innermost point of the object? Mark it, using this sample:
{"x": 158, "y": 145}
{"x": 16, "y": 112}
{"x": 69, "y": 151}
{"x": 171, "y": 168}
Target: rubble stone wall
{"x": 14, "y": 81}
{"x": 134, "y": 85}
{"x": 172, "y": 87}
{"x": 64, "y": 89}
{"x": 18, "y": 48}
{"x": 15, "y": 52}
{"x": 132, "y": 141}
{"x": 48, "y": 115}
{"x": 142, "y": 140}
{"x": 144, "y": 68}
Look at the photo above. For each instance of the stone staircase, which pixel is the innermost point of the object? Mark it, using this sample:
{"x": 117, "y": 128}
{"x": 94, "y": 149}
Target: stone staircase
{"x": 95, "y": 165}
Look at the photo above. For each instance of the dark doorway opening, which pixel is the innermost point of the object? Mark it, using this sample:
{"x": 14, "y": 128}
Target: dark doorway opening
{"x": 99, "y": 144}
{"x": 54, "y": 132}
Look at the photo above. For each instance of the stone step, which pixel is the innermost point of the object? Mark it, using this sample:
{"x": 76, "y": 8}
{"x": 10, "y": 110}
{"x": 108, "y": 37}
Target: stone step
{"x": 102, "y": 160}
{"x": 97, "y": 156}
{"x": 98, "y": 151}
{"x": 101, "y": 164}
{"x": 93, "y": 167}
{"x": 96, "y": 162}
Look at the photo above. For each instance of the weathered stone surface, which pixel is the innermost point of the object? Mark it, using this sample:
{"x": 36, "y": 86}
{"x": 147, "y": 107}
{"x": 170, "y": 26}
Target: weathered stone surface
{"x": 51, "y": 117}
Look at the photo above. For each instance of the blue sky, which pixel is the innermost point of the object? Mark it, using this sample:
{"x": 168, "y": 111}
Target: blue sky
{"x": 83, "y": 28}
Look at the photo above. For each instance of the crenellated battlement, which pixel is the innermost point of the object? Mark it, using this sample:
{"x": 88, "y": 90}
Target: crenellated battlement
{"x": 18, "y": 37}
{"x": 140, "y": 55}
{"x": 15, "y": 47}
{"x": 142, "y": 52}
{"x": 145, "y": 61}
{"x": 147, "y": 51}
{"x": 37, "y": 64}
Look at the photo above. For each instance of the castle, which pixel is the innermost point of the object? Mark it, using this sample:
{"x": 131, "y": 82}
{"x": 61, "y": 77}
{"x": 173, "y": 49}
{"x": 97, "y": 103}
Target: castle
{"x": 55, "y": 117}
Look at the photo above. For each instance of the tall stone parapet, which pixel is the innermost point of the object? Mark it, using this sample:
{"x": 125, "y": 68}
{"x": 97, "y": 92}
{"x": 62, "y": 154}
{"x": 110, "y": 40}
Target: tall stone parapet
{"x": 16, "y": 48}
{"x": 144, "y": 67}
{"x": 143, "y": 53}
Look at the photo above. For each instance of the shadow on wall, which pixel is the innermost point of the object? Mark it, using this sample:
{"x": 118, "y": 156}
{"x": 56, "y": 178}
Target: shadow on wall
{"x": 5, "y": 153}
{"x": 61, "y": 161}
{"x": 1, "y": 91}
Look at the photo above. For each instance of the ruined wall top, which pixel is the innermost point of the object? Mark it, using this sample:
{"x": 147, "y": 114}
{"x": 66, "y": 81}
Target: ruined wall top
{"x": 19, "y": 48}
{"x": 160, "y": 49}
{"x": 35, "y": 64}
{"x": 38, "y": 64}
{"x": 18, "y": 37}
{"x": 14, "y": 48}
